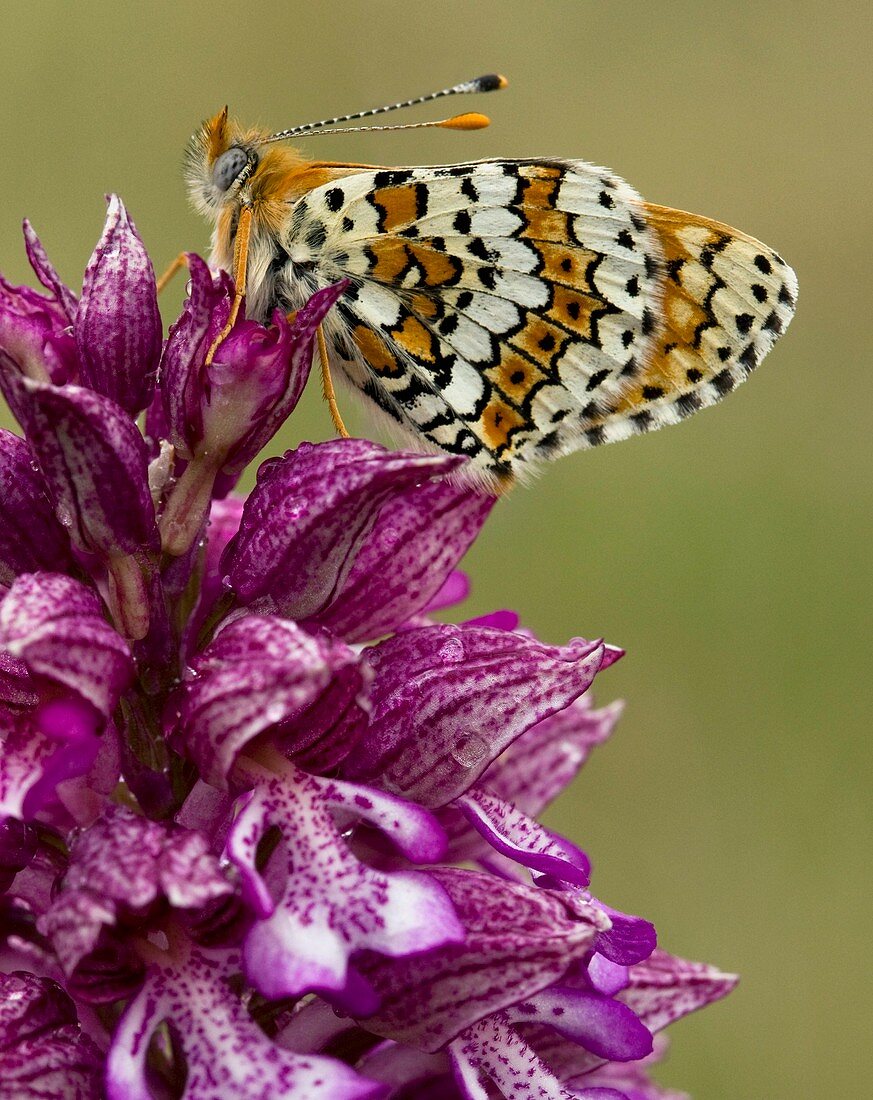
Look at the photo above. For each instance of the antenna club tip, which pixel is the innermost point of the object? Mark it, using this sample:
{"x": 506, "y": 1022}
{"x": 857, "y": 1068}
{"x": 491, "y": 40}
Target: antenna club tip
{"x": 491, "y": 82}
{"x": 470, "y": 121}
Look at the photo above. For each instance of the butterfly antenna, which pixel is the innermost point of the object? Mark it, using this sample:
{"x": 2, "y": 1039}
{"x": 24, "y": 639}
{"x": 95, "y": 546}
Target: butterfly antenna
{"x": 492, "y": 82}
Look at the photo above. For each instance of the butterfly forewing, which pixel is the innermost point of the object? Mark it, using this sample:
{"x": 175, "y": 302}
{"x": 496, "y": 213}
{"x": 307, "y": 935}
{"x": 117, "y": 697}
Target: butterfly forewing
{"x": 511, "y": 310}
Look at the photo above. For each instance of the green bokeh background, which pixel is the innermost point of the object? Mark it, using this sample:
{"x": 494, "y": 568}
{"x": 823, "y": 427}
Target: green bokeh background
{"x": 729, "y": 555}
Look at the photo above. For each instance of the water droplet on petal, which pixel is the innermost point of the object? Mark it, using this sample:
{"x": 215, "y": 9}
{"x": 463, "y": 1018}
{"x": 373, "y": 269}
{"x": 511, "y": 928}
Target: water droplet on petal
{"x": 451, "y": 650}
{"x": 469, "y": 750}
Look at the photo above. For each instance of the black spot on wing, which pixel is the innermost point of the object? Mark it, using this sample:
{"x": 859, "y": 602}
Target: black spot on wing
{"x": 688, "y": 403}
{"x": 763, "y": 264}
{"x": 724, "y": 382}
{"x": 391, "y": 178}
{"x": 595, "y": 380}
{"x": 469, "y": 190}
{"x": 316, "y": 235}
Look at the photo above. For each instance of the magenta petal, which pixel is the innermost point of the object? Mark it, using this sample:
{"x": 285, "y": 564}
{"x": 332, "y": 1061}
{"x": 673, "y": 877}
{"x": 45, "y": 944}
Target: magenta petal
{"x": 314, "y": 1025}
{"x": 455, "y": 589}
{"x": 226, "y": 1053}
{"x": 308, "y": 516}
{"x": 602, "y": 1025}
{"x": 605, "y": 976}
{"x": 332, "y": 905}
{"x": 118, "y": 326}
{"x": 36, "y": 339}
{"x": 519, "y": 939}
{"x": 504, "y": 619}
{"x": 415, "y": 543}
{"x": 261, "y": 379}
{"x": 119, "y": 868}
{"x": 630, "y": 939}
{"x": 520, "y": 838}
{"x": 491, "y": 1052}
{"x": 410, "y": 1070}
{"x": 94, "y": 461}
{"x": 629, "y": 1080}
{"x": 263, "y": 673}
{"x": 665, "y": 988}
{"x": 72, "y": 725}
{"x": 447, "y": 700}
{"x": 30, "y": 536}
{"x": 26, "y": 755}
{"x": 17, "y": 690}
{"x": 543, "y": 761}
{"x": 43, "y": 1052}
{"x": 205, "y": 311}
{"x": 45, "y": 271}
{"x": 230, "y": 409}
{"x": 55, "y": 625}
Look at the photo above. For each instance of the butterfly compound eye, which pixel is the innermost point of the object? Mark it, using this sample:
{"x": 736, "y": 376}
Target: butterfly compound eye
{"x": 228, "y": 166}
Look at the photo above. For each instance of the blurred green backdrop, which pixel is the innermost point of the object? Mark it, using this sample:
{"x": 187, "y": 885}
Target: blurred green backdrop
{"x": 729, "y": 555}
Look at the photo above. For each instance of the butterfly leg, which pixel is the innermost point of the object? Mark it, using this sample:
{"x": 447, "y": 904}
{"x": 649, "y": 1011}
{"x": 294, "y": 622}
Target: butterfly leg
{"x": 175, "y": 267}
{"x": 240, "y": 263}
{"x": 327, "y": 388}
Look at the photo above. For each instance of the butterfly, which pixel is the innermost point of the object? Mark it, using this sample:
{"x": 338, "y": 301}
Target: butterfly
{"x": 507, "y": 310}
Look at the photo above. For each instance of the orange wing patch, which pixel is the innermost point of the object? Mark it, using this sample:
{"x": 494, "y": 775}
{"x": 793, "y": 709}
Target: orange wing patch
{"x": 542, "y": 341}
{"x": 392, "y": 257}
{"x": 497, "y": 423}
{"x": 399, "y": 205}
{"x": 377, "y": 353}
{"x": 515, "y": 376}
{"x": 414, "y": 338}
{"x": 539, "y": 195}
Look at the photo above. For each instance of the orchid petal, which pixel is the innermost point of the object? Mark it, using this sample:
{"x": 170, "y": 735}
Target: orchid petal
{"x": 56, "y": 627}
{"x": 43, "y": 1050}
{"x": 45, "y": 271}
{"x": 118, "y": 326}
{"x": 30, "y": 536}
{"x": 602, "y": 1025}
{"x": 95, "y": 464}
{"x": 447, "y": 700}
{"x": 519, "y": 837}
{"x": 225, "y": 1052}
{"x": 491, "y": 1051}
{"x": 332, "y": 905}
{"x": 519, "y": 939}
{"x": 261, "y": 673}
{"x": 308, "y": 516}
{"x": 118, "y": 869}
{"x": 665, "y": 988}
{"x": 417, "y": 539}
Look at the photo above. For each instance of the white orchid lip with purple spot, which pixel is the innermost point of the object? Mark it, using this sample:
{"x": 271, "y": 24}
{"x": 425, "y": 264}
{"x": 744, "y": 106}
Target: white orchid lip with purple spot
{"x": 266, "y": 829}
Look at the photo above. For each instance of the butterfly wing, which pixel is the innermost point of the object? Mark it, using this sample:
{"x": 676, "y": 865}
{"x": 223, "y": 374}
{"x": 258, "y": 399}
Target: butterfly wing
{"x": 511, "y": 311}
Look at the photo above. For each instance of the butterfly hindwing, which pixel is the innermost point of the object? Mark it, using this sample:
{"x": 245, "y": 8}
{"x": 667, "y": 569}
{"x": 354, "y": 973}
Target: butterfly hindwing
{"x": 515, "y": 310}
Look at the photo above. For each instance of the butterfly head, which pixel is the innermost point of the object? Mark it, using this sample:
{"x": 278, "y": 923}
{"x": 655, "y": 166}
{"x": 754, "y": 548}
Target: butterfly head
{"x": 224, "y": 159}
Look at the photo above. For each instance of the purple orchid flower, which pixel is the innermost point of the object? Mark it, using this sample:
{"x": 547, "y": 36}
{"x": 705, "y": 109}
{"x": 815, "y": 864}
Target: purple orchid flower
{"x": 266, "y": 829}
